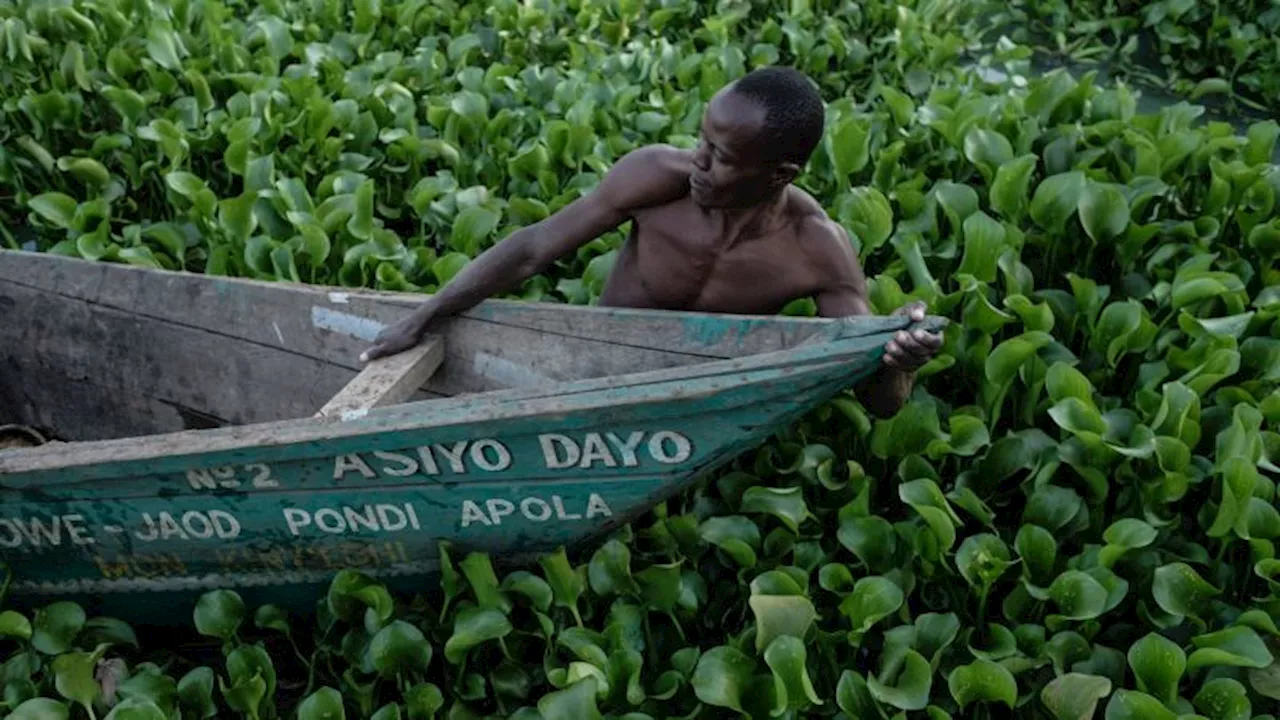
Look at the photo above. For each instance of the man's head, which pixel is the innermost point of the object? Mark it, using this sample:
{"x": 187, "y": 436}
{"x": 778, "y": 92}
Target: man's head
{"x": 757, "y": 134}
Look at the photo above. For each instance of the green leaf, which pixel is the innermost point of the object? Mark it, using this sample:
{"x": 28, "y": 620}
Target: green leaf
{"x": 793, "y": 689}
{"x": 219, "y": 614}
{"x": 722, "y": 677}
{"x": 195, "y": 693}
{"x": 576, "y": 701}
{"x": 866, "y": 212}
{"x": 399, "y": 649}
{"x": 1158, "y": 664}
{"x": 1224, "y": 699}
{"x": 779, "y": 615}
{"x": 853, "y": 696}
{"x": 609, "y": 571}
{"x": 870, "y": 538}
{"x": 1063, "y": 381}
{"x": 987, "y": 149}
{"x": 323, "y": 704}
{"x": 1074, "y": 696}
{"x": 982, "y": 559}
{"x": 14, "y": 624}
{"x": 1056, "y": 199}
{"x": 1266, "y": 681}
{"x": 982, "y": 681}
{"x": 1104, "y": 212}
{"x": 873, "y": 599}
{"x": 849, "y": 146}
{"x": 1011, "y": 189}
{"x": 1130, "y": 705}
{"x": 1180, "y": 591}
{"x": 39, "y": 709}
{"x": 566, "y": 583}
{"x": 1078, "y": 595}
{"x": 135, "y": 709}
{"x": 73, "y": 677}
{"x": 55, "y": 208}
{"x": 472, "y": 627}
{"x": 56, "y": 626}
{"x": 786, "y": 504}
{"x": 910, "y": 689}
{"x": 1233, "y": 647}
{"x": 472, "y": 228}
{"x": 984, "y": 241}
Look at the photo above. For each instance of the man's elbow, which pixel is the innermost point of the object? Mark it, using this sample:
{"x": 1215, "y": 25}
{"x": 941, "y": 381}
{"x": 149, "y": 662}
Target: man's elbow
{"x": 520, "y": 252}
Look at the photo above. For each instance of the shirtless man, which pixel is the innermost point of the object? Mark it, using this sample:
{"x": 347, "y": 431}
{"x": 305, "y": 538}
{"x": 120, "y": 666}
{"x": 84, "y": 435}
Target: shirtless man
{"x": 719, "y": 229}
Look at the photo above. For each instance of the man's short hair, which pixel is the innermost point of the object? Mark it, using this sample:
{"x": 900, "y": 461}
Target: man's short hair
{"x": 794, "y": 112}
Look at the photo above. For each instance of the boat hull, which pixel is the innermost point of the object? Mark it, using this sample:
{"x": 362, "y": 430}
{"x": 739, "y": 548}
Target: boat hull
{"x": 136, "y": 527}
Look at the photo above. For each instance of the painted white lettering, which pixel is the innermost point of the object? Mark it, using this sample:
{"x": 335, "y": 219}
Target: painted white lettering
{"x": 404, "y": 465}
{"x": 560, "y": 512}
{"x": 413, "y": 516}
{"x": 296, "y": 519}
{"x": 334, "y": 525}
{"x": 385, "y": 514}
{"x": 536, "y": 509}
{"x": 499, "y": 508}
{"x": 77, "y": 530}
{"x": 627, "y": 449}
{"x": 597, "y": 506}
{"x": 428, "y": 461}
{"x": 262, "y": 479}
{"x": 149, "y": 532}
{"x": 14, "y": 538}
{"x": 201, "y": 480}
{"x": 225, "y": 524}
{"x": 226, "y": 477}
{"x": 658, "y": 448}
{"x": 354, "y": 519}
{"x": 169, "y": 527}
{"x": 454, "y": 455}
{"x": 349, "y": 463}
{"x": 502, "y": 456}
{"x": 594, "y": 449}
{"x": 39, "y": 532}
{"x": 472, "y": 513}
{"x": 197, "y": 525}
{"x": 552, "y": 458}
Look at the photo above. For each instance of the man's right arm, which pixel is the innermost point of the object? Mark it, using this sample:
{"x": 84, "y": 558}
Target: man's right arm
{"x": 647, "y": 176}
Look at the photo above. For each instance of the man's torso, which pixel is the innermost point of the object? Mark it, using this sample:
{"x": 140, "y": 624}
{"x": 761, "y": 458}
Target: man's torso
{"x": 680, "y": 257}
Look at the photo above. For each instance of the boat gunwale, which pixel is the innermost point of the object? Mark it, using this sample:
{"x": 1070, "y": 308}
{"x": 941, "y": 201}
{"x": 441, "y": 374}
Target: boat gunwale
{"x": 585, "y": 394}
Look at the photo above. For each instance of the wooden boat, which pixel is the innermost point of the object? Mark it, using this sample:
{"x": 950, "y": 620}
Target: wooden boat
{"x": 192, "y": 450}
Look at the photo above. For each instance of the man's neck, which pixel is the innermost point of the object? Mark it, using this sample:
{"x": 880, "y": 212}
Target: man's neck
{"x": 756, "y": 220}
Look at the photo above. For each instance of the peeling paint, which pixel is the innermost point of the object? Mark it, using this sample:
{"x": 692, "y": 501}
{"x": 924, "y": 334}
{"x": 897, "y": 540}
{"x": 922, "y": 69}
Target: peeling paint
{"x": 345, "y": 323}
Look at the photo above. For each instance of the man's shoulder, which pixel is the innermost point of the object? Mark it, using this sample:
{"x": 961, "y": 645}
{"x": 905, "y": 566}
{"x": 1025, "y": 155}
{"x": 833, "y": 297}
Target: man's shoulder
{"x": 823, "y": 242}
{"x": 649, "y": 175}
{"x": 813, "y": 226}
{"x": 659, "y": 159}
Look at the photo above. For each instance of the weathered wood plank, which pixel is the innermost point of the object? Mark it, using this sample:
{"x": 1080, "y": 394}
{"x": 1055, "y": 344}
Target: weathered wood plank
{"x": 335, "y": 327}
{"x": 387, "y": 381}
{"x": 86, "y": 364}
{"x": 285, "y": 318}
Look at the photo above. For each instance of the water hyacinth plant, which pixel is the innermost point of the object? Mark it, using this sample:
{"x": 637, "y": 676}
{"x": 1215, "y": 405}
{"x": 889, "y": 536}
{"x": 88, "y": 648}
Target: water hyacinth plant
{"x": 1074, "y": 516}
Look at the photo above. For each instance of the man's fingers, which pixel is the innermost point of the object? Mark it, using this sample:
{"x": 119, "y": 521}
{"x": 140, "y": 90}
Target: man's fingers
{"x": 373, "y": 353}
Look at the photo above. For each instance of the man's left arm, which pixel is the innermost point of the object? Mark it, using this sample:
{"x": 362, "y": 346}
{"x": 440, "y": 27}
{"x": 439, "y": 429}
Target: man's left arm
{"x": 843, "y": 292}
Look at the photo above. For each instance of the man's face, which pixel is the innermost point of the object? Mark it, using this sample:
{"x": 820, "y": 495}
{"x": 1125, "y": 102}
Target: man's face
{"x": 730, "y": 166}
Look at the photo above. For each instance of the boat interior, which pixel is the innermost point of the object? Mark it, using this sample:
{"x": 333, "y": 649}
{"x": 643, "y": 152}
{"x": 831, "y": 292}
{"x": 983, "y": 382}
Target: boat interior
{"x": 97, "y": 351}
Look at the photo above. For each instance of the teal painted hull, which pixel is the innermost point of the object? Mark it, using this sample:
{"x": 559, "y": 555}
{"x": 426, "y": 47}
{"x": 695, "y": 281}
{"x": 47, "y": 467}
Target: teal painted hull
{"x": 274, "y": 510}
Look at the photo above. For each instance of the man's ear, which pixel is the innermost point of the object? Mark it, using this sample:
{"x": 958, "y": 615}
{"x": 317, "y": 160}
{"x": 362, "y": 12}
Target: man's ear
{"x": 785, "y": 173}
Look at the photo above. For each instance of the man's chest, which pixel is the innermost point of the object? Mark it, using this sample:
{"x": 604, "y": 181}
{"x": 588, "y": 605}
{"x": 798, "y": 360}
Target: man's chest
{"x": 698, "y": 266}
